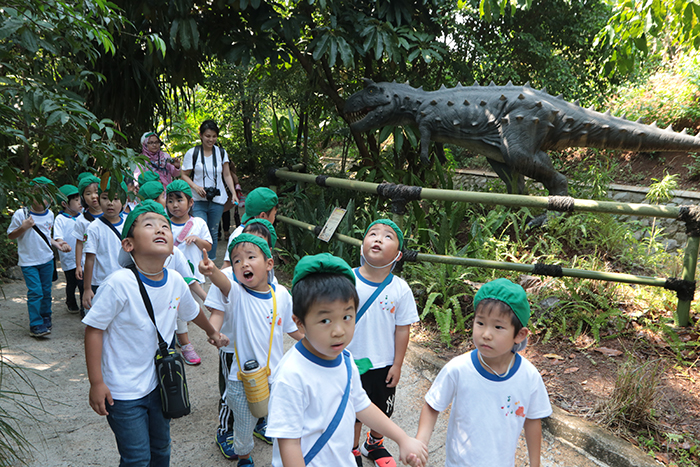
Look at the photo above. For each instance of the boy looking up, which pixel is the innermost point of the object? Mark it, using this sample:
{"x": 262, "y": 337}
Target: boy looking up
{"x": 32, "y": 230}
{"x": 317, "y": 393}
{"x": 103, "y": 244}
{"x": 256, "y": 313}
{"x": 494, "y": 392}
{"x": 261, "y": 203}
{"x": 387, "y": 310}
{"x": 63, "y": 230}
{"x": 121, "y": 339}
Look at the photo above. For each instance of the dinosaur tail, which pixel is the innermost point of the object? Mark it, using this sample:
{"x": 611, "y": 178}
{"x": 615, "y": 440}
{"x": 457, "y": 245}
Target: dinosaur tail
{"x": 604, "y": 131}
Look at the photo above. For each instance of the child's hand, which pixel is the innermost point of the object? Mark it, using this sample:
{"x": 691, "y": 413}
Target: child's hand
{"x": 219, "y": 340}
{"x": 393, "y": 376}
{"x": 87, "y": 297}
{"x": 206, "y": 266}
{"x": 100, "y": 396}
{"x": 28, "y": 223}
{"x": 413, "y": 452}
{"x": 79, "y": 272}
{"x": 191, "y": 239}
{"x": 64, "y": 247}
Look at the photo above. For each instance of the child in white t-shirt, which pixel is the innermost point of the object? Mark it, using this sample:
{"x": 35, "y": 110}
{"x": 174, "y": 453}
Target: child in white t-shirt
{"x": 63, "y": 227}
{"x": 89, "y": 191}
{"x": 495, "y": 393}
{"x": 103, "y": 243}
{"x": 387, "y": 310}
{"x": 317, "y": 393}
{"x": 32, "y": 230}
{"x": 121, "y": 340}
{"x": 256, "y": 309}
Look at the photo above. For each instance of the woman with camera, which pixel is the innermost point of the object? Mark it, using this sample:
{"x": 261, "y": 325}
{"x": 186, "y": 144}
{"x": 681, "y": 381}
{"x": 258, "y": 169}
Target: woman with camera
{"x": 158, "y": 161}
{"x": 205, "y": 169}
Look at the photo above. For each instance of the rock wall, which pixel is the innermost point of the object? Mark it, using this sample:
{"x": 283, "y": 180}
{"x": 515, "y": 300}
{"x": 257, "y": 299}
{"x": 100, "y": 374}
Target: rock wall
{"x": 673, "y": 234}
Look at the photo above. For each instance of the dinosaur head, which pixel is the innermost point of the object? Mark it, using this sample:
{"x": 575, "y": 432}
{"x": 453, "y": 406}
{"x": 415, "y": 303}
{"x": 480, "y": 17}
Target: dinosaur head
{"x": 370, "y": 108}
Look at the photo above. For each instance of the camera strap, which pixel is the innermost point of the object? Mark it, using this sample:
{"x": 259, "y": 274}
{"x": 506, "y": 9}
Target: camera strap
{"x": 162, "y": 345}
{"x": 195, "y": 156}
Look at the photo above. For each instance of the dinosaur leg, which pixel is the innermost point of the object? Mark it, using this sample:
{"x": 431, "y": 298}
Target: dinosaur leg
{"x": 424, "y": 144}
{"x": 515, "y": 182}
{"x": 538, "y": 166}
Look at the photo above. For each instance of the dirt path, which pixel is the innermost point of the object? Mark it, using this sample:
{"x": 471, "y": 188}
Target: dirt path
{"x": 68, "y": 433}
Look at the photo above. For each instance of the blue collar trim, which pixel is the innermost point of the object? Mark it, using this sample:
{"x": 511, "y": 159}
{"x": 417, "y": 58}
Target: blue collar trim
{"x": 38, "y": 214}
{"x": 151, "y": 283}
{"x": 318, "y": 360}
{"x": 367, "y": 281}
{"x": 490, "y": 376}
{"x": 256, "y": 294}
{"x": 179, "y": 225}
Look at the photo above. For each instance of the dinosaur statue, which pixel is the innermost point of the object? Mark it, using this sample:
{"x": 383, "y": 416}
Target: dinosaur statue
{"x": 513, "y": 126}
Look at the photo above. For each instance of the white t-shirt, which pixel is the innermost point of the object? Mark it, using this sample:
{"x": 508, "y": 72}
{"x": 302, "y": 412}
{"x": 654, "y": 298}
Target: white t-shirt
{"x": 236, "y": 232}
{"x": 63, "y": 228}
{"x": 105, "y": 245}
{"x": 206, "y": 164}
{"x": 304, "y": 398}
{"x": 375, "y": 332}
{"x": 179, "y": 263}
{"x": 488, "y": 412}
{"x": 80, "y": 231}
{"x": 32, "y": 250}
{"x": 247, "y": 322}
{"x": 129, "y": 341}
{"x": 192, "y": 251}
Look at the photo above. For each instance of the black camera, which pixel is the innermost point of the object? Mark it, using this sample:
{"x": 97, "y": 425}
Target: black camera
{"x": 212, "y": 192}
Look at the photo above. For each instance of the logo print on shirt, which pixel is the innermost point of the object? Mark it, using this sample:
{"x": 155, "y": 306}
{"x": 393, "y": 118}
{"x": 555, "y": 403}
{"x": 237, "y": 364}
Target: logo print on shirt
{"x": 511, "y": 408}
{"x": 387, "y": 305}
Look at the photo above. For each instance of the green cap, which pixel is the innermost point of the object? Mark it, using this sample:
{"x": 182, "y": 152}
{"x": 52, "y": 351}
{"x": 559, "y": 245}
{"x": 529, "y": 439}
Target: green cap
{"x": 270, "y": 228}
{"x": 323, "y": 263}
{"x": 148, "y": 176}
{"x": 151, "y": 190}
{"x": 40, "y": 181}
{"x": 86, "y": 179}
{"x": 509, "y": 293}
{"x": 250, "y": 238}
{"x": 258, "y": 201}
{"x": 179, "y": 185}
{"x": 142, "y": 208}
{"x": 392, "y": 224}
{"x": 68, "y": 190}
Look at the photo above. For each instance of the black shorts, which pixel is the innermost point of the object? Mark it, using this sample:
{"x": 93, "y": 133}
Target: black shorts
{"x": 374, "y": 383}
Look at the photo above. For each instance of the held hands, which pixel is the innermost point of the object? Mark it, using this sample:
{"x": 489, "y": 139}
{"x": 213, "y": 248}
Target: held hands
{"x": 100, "y": 396}
{"x": 413, "y": 452}
{"x": 207, "y": 266}
{"x": 219, "y": 340}
{"x": 63, "y": 246}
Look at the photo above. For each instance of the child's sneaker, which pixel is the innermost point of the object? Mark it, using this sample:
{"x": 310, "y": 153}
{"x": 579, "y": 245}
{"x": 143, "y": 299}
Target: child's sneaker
{"x": 47, "y": 323}
{"x": 358, "y": 457}
{"x": 259, "y": 431}
{"x": 246, "y": 462}
{"x": 38, "y": 331}
{"x": 225, "y": 442}
{"x": 189, "y": 355}
{"x": 376, "y": 451}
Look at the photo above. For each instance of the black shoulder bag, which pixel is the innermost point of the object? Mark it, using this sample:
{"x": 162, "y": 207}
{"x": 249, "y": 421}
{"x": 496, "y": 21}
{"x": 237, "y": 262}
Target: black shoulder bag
{"x": 170, "y": 368}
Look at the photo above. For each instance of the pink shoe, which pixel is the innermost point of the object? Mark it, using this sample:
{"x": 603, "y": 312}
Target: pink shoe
{"x": 189, "y": 355}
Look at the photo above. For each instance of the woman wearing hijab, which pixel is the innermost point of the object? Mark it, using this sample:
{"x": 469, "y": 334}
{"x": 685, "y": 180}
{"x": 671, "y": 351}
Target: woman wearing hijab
{"x": 158, "y": 161}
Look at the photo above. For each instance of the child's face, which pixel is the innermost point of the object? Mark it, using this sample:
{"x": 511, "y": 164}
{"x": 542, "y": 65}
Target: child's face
{"x": 270, "y": 216}
{"x": 493, "y": 332}
{"x": 92, "y": 197}
{"x": 381, "y": 245}
{"x": 110, "y": 207}
{"x": 151, "y": 236}
{"x": 161, "y": 199}
{"x": 178, "y": 205}
{"x": 328, "y": 327}
{"x": 73, "y": 204}
{"x": 250, "y": 265}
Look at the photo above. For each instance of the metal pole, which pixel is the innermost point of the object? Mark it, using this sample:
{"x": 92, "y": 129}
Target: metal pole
{"x": 690, "y": 261}
{"x": 483, "y": 263}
